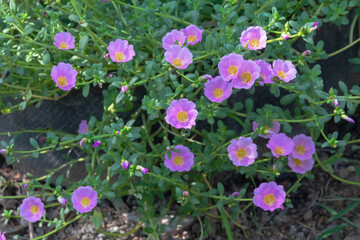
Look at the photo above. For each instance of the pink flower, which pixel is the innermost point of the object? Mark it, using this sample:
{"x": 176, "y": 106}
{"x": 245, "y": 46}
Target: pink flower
{"x": 84, "y": 199}
{"x": 2, "y": 151}
{"x": 193, "y": 34}
{"x": 64, "y": 76}
{"x": 249, "y": 71}
{"x": 300, "y": 166}
{"x": 143, "y": 170}
{"x": 96, "y": 144}
{"x": 62, "y": 200}
{"x": 121, "y": 51}
{"x": 242, "y": 152}
{"x": 285, "y": 36}
{"x": 280, "y": 145}
{"x": 266, "y": 71}
{"x": 284, "y": 70}
{"x": 82, "y": 141}
{"x": 275, "y": 129}
{"x": 304, "y": 147}
{"x": 181, "y": 114}
{"x": 178, "y": 57}
{"x": 336, "y": 103}
{"x": 26, "y": 185}
{"x": 206, "y": 76}
{"x": 254, "y": 37}
{"x": 269, "y": 196}
{"x": 229, "y": 66}
{"x": 124, "y": 89}
{"x": 64, "y": 40}
{"x": 186, "y": 193}
{"x": 83, "y": 127}
{"x": 180, "y": 161}
{"x": 2, "y": 236}
{"x": 306, "y": 52}
{"x": 347, "y": 118}
{"x": 217, "y": 90}
{"x": 171, "y": 37}
{"x": 32, "y": 209}
{"x": 125, "y": 165}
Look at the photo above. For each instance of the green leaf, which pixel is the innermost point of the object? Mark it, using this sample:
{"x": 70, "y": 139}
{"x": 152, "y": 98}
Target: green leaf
{"x": 34, "y": 143}
{"x": 249, "y": 104}
{"x": 344, "y": 211}
{"x": 287, "y": 99}
{"x": 74, "y": 18}
{"x": 86, "y": 90}
{"x": 220, "y": 188}
{"x": 83, "y": 42}
{"x": 331, "y": 231}
{"x": 46, "y": 57}
{"x": 97, "y": 219}
{"x": 225, "y": 224}
{"x": 343, "y": 87}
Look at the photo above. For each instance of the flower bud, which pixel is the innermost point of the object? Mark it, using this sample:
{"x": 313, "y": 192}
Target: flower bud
{"x": 125, "y": 164}
{"x": 62, "y": 200}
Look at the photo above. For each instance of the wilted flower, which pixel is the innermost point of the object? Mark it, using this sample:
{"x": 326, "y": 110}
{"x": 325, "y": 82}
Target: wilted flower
{"x": 336, "y": 103}
{"x": 106, "y": 56}
{"x": 121, "y": 51}
{"x": 82, "y": 141}
{"x": 235, "y": 194}
{"x": 84, "y": 199}
{"x": 62, "y": 200}
{"x": 280, "y": 145}
{"x": 229, "y": 66}
{"x": 171, "y": 37}
{"x": 64, "y": 40}
{"x": 143, "y": 170}
{"x": 2, "y": 151}
{"x": 315, "y": 27}
{"x": 181, "y": 113}
{"x": 125, "y": 165}
{"x": 266, "y": 71}
{"x": 185, "y": 194}
{"x": 2, "y": 236}
{"x": 304, "y": 147}
{"x": 275, "y": 129}
{"x": 32, "y": 209}
{"x": 269, "y": 196}
{"x": 193, "y": 34}
{"x": 284, "y": 70}
{"x": 300, "y": 166}
{"x": 178, "y": 57}
{"x": 217, "y": 90}
{"x": 124, "y": 89}
{"x": 242, "y": 152}
{"x": 83, "y": 127}
{"x": 64, "y": 75}
{"x": 96, "y": 144}
{"x": 207, "y": 76}
{"x": 254, "y": 38}
{"x": 306, "y": 52}
{"x": 179, "y": 161}
{"x": 347, "y": 118}
{"x": 249, "y": 71}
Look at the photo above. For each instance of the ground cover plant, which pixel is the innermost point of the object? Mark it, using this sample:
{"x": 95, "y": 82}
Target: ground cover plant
{"x": 194, "y": 93}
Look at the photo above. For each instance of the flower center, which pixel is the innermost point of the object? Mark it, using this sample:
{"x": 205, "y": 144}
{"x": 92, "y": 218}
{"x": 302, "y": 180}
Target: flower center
{"x": 241, "y": 153}
{"x": 85, "y": 201}
{"x": 120, "y": 56}
{"x": 233, "y": 70}
{"x": 300, "y": 149}
{"x": 191, "y": 38}
{"x": 246, "y": 77}
{"x": 34, "y": 209}
{"x": 178, "y": 160}
{"x": 177, "y": 62}
{"x": 279, "y": 150}
{"x": 182, "y": 116}
{"x": 269, "y": 199}
{"x": 281, "y": 74}
{"x": 254, "y": 43}
{"x": 62, "y": 81}
{"x": 218, "y": 93}
{"x": 297, "y": 162}
{"x": 63, "y": 45}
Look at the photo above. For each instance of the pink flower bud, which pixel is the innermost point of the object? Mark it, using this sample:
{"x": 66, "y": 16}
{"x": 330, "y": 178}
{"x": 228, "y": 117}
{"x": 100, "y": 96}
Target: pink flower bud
{"x": 143, "y": 170}
{"x": 345, "y": 117}
{"x": 336, "y": 102}
{"x": 62, "y": 200}
{"x": 125, "y": 164}
{"x": 306, "y": 53}
{"x": 235, "y": 194}
{"x": 26, "y": 185}
{"x": 124, "y": 89}
{"x": 186, "y": 193}
{"x": 285, "y": 36}
{"x": 96, "y": 144}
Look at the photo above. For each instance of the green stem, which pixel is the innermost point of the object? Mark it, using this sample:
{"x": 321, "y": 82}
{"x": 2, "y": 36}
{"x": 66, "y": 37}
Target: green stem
{"x": 351, "y": 34}
{"x": 263, "y": 7}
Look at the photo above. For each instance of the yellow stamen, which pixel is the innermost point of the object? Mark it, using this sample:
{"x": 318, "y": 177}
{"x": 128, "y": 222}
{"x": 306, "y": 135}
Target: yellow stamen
{"x": 63, "y": 45}
{"x": 62, "y": 81}
{"x": 218, "y": 93}
{"x": 297, "y": 162}
{"x": 232, "y": 70}
{"x": 269, "y": 199}
{"x": 177, "y": 62}
{"x": 300, "y": 149}
{"x": 281, "y": 74}
{"x": 241, "y": 153}
{"x": 120, "y": 56}
{"x": 191, "y": 38}
{"x": 178, "y": 160}
{"x": 246, "y": 77}
{"x": 182, "y": 116}
{"x": 254, "y": 43}
{"x": 34, "y": 209}
{"x": 279, "y": 150}
{"x": 85, "y": 201}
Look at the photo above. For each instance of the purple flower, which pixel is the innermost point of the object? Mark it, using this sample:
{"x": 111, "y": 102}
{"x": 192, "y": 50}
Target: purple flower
{"x": 217, "y": 90}
{"x": 121, "y": 51}
{"x": 26, "y": 185}
{"x": 347, "y": 118}
{"x": 306, "y": 52}
{"x": 64, "y": 76}
{"x": 266, "y": 71}
{"x": 249, "y": 71}
{"x": 229, "y": 66}
{"x": 96, "y": 144}
{"x": 242, "y": 152}
{"x": 269, "y": 196}
{"x": 316, "y": 25}
{"x": 32, "y": 209}
{"x": 206, "y": 76}
{"x": 271, "y": 131}
{"x": 284, "y": 70}
{"x": 82, "y": 141}
{"x": 300, "y": 166}
{"x": 186, "y": 193}
{"x": 193, "y": 34}
{"x": 280, "y": 145}
{"x": 171, "y": 37}
{"x": 83, "y": 127}
{"x": 336, "y": 103}
{"x": 62, "y": 200}
{"x": 180, "y": 161}
{"x": 235, "y": 194}
{"x": 64, "y": 40}
{"x": 143, "y": 170}
{"x": 304, "y": 147}
{"x": 125, "y": 165}
{"x": 181, "y": 113}
{"x": 84, "y": 199}
{"x": 2, "y": 236}
{"x": 2, "y": 151}
{"x": 178, "y": 57}
{"x": 254, "y": 37}
{"x": 124, "y": 89}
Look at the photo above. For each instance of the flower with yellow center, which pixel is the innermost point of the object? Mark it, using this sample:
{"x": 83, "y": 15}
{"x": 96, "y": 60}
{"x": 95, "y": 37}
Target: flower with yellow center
{"x": 178, "y": 160}
{"x": 218, "y": 92}
{"x": 62, "y": 81}
{"x": 241, "y": 153}
{"x": 269, "y": 199}
{"x": 182, "y": 116}
{"x": 246, "y": 77}
{"x": 191, "y": 38}
{"x": 298, "y": 162}
{"x": 233, "y": 70}
{"x": 177, "y": 62}
{"x": 120, "y": 56}
{"x": 254, "y": 43}
{"x": 34, "y": 209}
{"x": 279, "y": 150}
{"x": 281, "y": 74}
{"x": 85, "y": 201}
{"x": 300, "y": 149}
{"x": 64, "y": 45}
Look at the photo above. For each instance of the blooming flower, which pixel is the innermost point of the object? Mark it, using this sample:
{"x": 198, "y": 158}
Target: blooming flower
{"x": 32, "y": 209}
{"x": 300, "y": 166}
{"x": 193, "y": 34}
{"x": 280, "y": 145}
{"x": 284, "y": 70}
{"x": 304, "y": 147}
{"x": 181, "y": 113}
{"x": 269, "y": 196}
{"x": 229, "y": 66}
{"x": 64, "y": 40}
{"x": 249, "y": 71}
{"x": 275, "y": 129}
{"x": 2, "y": 236}
{"x": 171, "y": 37}
{"x": 62, "y": 200}
{"x": 64, "y": 76}
{"x": 125, "y": 165}
{"x": 217, "y": 90}
{"x": 84, "y": 199}
{"x": 83, "y": 127}
{"x": 178, "y": 57}
{"x": 266, "y": 71}
{"x": 121, "y": 51}
{"x": 124, "y": 89}
{"x": 242, "y": 152}
{"x": 180, "y": 161}
{"x": 143, "y": 170}
{"x": 96, "y": 144}
{"x": 254, "y": 37}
